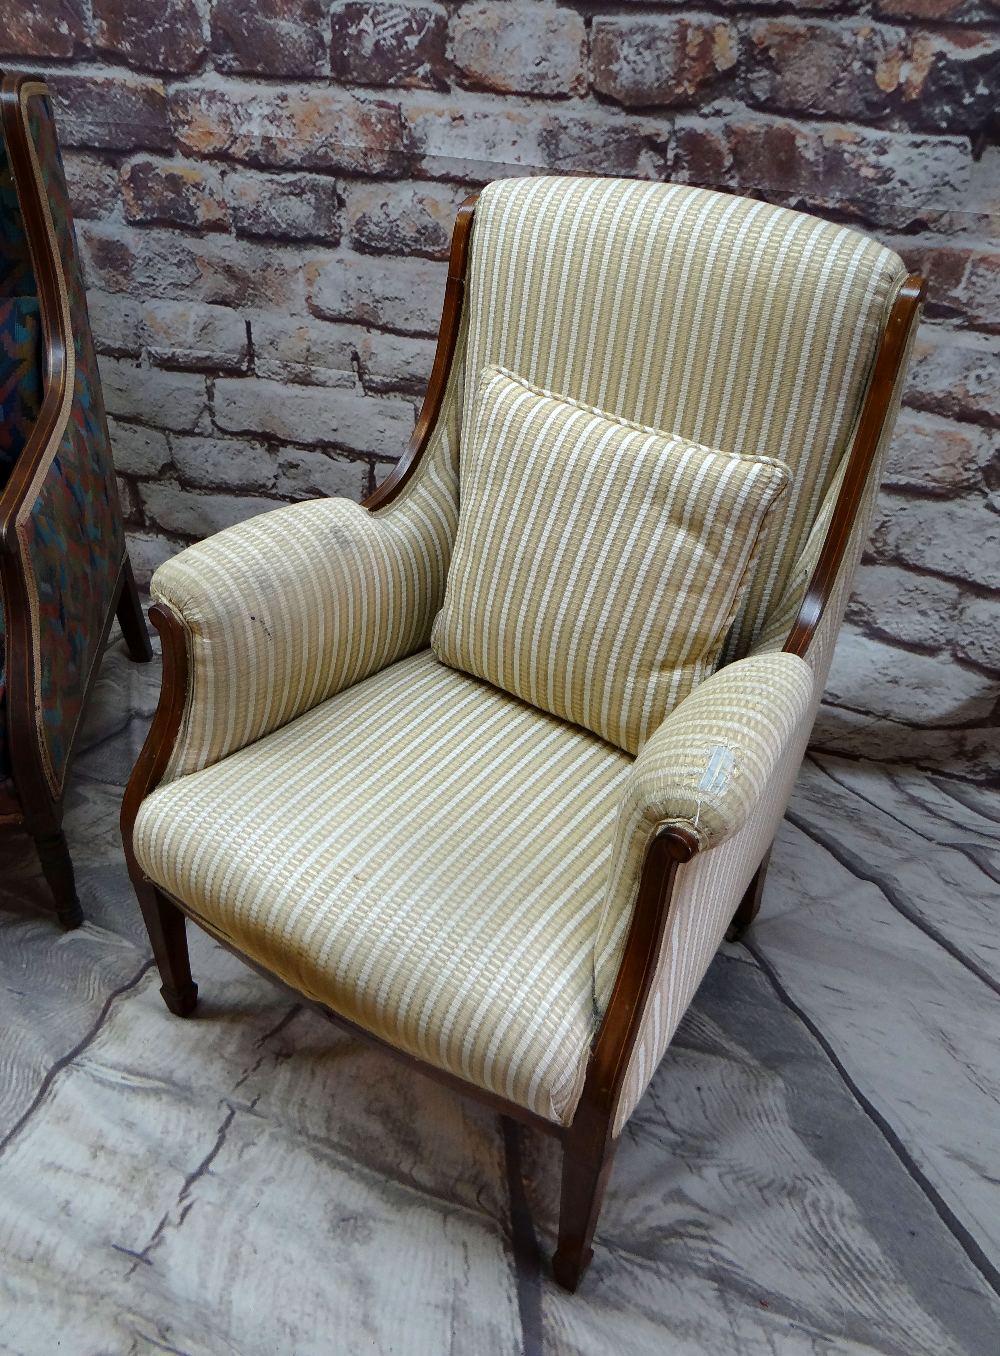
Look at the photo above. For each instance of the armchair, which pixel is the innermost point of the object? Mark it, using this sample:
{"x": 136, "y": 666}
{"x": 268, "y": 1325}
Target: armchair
{"x": 64, "y": 569}
{"x": 519, "y": 907}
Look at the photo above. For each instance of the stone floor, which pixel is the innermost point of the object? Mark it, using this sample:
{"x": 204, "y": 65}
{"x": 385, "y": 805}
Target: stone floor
{"x": 813, "y": 1170}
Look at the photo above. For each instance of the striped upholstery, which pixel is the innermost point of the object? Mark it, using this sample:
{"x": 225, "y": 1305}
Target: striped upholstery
{"x": 422, "y": 853}
{"x": 706, "y": 892}
{"x": 445, "y": 865}
{"x": 598, "y": 564}
{"x": 287, "y": 608}
{"x": 708, "y": 889}
{"x": 707, "y": 767}
{"x": 746, "y": 327}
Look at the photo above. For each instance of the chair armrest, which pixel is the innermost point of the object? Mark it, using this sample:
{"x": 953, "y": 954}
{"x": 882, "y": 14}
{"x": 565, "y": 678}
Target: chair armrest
{"x": 288, "y": 608}
{"x": 707, "y": 769}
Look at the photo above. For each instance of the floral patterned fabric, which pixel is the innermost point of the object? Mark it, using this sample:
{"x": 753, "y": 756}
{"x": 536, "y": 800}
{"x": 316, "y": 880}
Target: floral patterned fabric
{"x": 20, "y": 377}
{"x": 72, "y": 539}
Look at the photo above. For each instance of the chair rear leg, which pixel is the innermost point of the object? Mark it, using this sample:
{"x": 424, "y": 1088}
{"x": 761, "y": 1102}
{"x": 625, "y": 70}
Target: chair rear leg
{"x": 130, "y": 617}
{"x": 57, "y": 867}
{"x": 586, "y": 1167}
{"x": 167, "y": 928}
{"x": 749, "y": 905}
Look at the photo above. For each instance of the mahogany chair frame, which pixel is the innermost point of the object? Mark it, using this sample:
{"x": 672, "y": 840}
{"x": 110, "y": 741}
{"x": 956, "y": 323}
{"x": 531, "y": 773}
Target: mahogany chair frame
{"x": 588, "y": 1145}
{"x": 38, "y": 807}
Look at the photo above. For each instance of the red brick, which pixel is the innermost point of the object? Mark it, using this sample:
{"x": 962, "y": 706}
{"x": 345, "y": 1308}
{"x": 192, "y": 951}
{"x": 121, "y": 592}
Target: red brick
{"x": 302, "y": 349}
{"x": 977, "y": 636}
{"x": 403, "y": 218}
{"x": 394, "y": 362}
{"x": 937, "y": 535}
{"x": 817, "y": 6}
{"x": 962, "y": 283}
{"x": 310, "y": 128}
{"x": 477, "y": 143}
{"x": 284, "y": 207}
{"x": 661, "y": 60}
{"x": 931, "y": 455}
{"x": 197, "y": 513}
{"x": 139, "y": 451}
{"x": 388, "y": 44}
{"x": 116, "y": 321}
{"x": 193, "y": 336}
{"x": 148, "y": 551}
{"x": 949, "y": 84}
{"x": 699, "y": 155}
{"x": 313, "y": 414}
{"x": 223, "y": 463}
{"x": 170, "y": 400}
{"x": 954, "y": 11}
{"x": 269, "y": 37}
{"x": 901, "y": 606}
{"x": 94, "y": 189}
{"x": 955, "y": 374}
{"x": 394, "y": 294}
{"x": 215, "y": 269}
{"x": 821, "y": 67}
{"x": 876, "y": 177}
{"x": 165, "y": 36}
{"x": 520, "y": 48}
{"x": 308, "y": 474}
{"x": 53, "y": 29}
{"x": 172, "y": 193}
{"x": 120, "y": 113}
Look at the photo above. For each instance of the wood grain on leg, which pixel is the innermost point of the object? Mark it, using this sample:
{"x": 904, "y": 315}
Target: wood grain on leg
{"x": 167, "y": 928}
{"x": 57, "y": 866}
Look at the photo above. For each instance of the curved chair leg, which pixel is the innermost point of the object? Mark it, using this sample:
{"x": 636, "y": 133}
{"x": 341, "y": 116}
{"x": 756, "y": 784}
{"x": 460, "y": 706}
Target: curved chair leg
{"x": 167, "y": 928}
{"x": 585, "y": 1171}
{"x": 57, "y": 867}
{"x": 749, "y": 905}
{"x": 130, "y": 617}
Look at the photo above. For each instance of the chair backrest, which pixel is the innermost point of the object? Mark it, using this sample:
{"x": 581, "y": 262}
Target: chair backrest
{"x": 745, "y": 327}
{"x": 63, "y": 500}
{"x": 20, "y": 328}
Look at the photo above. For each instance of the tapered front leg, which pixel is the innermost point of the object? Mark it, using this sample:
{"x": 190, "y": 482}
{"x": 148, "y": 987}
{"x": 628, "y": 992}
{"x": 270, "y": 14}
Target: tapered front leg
{"x": 749, "y": 905}
{"x": 585, "y": 1171}
{"x": 167, "y": 928}
{"x": 57, "y": 867}
{"x": 130, "y": 617}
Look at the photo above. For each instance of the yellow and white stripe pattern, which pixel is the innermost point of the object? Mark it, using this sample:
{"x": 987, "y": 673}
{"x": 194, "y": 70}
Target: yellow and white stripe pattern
{"x": 440, "y": 862}
{"x": 707, "y": 767}
{"x": 598, "y": 563}
{"x": 422, "y": 853}
{"x": 735, "y": 324}
{"x": 287, "y": 608}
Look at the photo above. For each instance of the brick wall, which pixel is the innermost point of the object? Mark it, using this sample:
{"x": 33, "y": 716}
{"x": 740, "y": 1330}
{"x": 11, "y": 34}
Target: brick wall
{"x": 265, "y": 191}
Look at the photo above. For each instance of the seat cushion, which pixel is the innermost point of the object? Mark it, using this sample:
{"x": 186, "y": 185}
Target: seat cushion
{"x": 425, "y": 855}
{"x": 598, "y": 563}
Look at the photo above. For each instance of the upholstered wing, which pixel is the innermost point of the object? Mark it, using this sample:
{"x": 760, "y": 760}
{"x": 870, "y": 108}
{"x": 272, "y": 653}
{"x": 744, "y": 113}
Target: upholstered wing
{"x": 286, "y": 610}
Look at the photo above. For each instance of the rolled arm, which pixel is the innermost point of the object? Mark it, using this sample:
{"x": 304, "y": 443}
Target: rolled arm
{"x": 710, "y": 768}
{"x": 285, "y": 609}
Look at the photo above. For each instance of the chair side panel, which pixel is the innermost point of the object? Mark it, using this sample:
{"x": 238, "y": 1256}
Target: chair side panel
{"x": 70, "y": 530}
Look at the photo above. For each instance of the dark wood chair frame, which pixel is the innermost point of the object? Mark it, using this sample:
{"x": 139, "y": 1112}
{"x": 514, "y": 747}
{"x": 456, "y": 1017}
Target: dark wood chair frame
{"x": 588, "y": 1146}
{"x": 38, "y": 808}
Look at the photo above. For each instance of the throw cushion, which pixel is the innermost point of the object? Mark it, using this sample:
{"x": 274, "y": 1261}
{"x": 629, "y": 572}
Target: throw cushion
{"x": 598, "y": 564}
